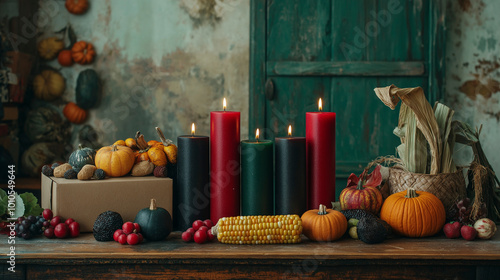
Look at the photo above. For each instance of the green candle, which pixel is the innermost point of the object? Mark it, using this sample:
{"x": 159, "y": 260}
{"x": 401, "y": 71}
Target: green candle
{"x": 257, "y": 177}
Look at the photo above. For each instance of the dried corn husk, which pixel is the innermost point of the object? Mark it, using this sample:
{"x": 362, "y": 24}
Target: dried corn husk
{"x": 413, "y": 150}
{"x": 482, "y": 177}
{"x": 444, "y": 115}
{"x": 414, "y": 99}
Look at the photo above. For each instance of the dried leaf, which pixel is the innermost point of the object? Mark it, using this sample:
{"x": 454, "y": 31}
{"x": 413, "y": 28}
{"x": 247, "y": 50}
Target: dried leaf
{"x": 444, "y": 116}
{"x": 415, "y": 100}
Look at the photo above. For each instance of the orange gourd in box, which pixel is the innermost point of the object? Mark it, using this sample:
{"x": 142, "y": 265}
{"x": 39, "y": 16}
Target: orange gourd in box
{"x": 115, "y": 160}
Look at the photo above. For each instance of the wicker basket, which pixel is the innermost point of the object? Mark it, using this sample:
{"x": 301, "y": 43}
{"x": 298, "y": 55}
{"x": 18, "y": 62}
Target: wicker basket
{"x": 448, "y": 187}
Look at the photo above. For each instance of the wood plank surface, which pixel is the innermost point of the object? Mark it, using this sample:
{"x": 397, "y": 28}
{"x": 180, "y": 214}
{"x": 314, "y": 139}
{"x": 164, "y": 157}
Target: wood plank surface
{"x": 85, "y": 247}
{"x": 398, "y": 258}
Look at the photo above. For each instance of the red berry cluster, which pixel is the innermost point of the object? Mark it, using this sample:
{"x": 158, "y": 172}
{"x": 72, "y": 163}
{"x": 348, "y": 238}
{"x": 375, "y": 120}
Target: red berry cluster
{"x": 57, "y": 227}
{"x": 129, "y": 234}
{"x": 200, "y": 232}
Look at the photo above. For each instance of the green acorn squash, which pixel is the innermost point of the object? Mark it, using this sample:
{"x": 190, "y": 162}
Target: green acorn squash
{"x": 80, "y": 157}
{"x": 87, "y": 89}
{"x": 155, "y": 222}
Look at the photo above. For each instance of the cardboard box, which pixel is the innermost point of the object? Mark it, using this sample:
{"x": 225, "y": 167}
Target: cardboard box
{"x": 85, "y": 200}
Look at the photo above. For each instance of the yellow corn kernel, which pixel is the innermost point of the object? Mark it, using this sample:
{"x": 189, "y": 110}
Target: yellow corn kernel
{"x": 279, "y": 229}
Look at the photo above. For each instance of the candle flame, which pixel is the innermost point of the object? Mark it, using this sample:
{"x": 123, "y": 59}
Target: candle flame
{"x": 320, "y": 105}
{"x": 224, "y": 104}
{"x": 192, "y": 129}
{"x": 289, "y": 130}
{"x": 257, "y": 134}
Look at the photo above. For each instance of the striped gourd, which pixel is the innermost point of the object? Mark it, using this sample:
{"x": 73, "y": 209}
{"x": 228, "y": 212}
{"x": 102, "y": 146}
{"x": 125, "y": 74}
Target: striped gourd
{"x": 278, "y": 229}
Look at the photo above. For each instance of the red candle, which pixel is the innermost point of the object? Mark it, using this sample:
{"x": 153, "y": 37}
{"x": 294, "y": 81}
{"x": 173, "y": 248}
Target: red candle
{"x": 224, "y": 164}
{"x": 320, "y": 154}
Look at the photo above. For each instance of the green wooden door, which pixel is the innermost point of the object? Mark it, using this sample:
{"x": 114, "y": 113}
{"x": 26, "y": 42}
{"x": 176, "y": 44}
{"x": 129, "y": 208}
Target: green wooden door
{"x": 340, "y": 51}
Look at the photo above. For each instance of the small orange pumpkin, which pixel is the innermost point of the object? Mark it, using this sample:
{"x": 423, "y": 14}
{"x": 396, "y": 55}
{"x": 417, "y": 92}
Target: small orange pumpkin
{"x": 49, "y": 85}
{"x": 154, "y": 143}
{"x": 141, "y": 156}
{"x": 77, "y": 7}
{"x": 83, "y": 52}
{"x": 414, "y": 213}
{"x": 74, "y": 113}
{"x": 115, "y": 160}
{"x": 157, "y": 156}
{"x": 65, "y": 58}
{"x": 131, "y": 143}
{"x": 49, "y": 48}
{"x": 120, "y": 142}
{"x": 323, "y": 224}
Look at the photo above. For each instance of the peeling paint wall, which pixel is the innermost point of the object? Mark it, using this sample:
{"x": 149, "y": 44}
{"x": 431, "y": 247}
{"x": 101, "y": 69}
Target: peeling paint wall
{"x": 473, "y": 71}
{"x": 169, "y": 63}
{"x": 161, "y": 63}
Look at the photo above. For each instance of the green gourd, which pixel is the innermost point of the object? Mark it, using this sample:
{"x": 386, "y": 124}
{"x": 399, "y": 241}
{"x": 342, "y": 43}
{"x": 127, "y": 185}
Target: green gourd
{"x": 80, "y": 157}
{"x": 87, "y": 89}
{"x": 155, "y": 222}
{"x": 45, "y": 124}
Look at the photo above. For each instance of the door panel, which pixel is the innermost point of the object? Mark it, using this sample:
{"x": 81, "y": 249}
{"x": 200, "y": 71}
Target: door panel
{"x": 340, "y": 51}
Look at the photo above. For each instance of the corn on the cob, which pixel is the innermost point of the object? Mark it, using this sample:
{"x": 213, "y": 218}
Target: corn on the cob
{"x": 278, "y": 229}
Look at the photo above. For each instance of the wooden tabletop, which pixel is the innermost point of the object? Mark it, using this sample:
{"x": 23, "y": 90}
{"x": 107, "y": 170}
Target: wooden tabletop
{"x": 86, "y": 247}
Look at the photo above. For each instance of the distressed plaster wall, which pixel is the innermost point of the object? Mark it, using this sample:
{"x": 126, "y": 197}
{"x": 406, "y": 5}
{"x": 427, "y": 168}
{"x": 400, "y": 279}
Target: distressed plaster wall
{"x": 473, "y": 71}
{"x": 161, "y": 63}
{"x": 169, "y": 63}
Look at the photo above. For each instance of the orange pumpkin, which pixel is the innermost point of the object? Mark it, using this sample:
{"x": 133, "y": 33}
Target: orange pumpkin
{"x": 157, "y": 156}
{"x": 120, "y": 142}
{"x": 49, "y": 48}
{"x": 83, "y": 52}
{"x": 141, "y": 156}
{"x": 171, "y": 152}
{"x": 74, "y": 113}
{"x": 414, "y": 213}
{"x": 77, "y": 7}
{"x": 131, "y": 143}
{"x": 65, "y": 58}
{"x": 361, "y": 197}
{"x": 115, "y": 160}
{"x": 324, "y": 224}
{"x": 49, "y": 85}
{"x": 154, "y": 143}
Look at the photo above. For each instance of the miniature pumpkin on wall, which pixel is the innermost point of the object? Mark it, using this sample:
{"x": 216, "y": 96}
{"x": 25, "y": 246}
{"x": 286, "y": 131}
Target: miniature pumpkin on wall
{"x": 77, "y": 7}
{"x": 74, "y": 113}
{"x": 46, "y": 125}
{"x": 414, "y": 213}
{"x": 49, "y": 85}
{"x": 49, "y": 48}
{"x": 115, "y": 160}
{"x": 83, "y": 52}
{"x": 87, "y": 89}
{"x": 64, "y": 58}
{"x": 323, "y": 224}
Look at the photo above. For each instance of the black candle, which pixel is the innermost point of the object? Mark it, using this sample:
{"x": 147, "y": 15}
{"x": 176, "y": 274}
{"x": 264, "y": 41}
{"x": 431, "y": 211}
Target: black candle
{"x": 192, "y": 195}
{"x": 290, "y": 184}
